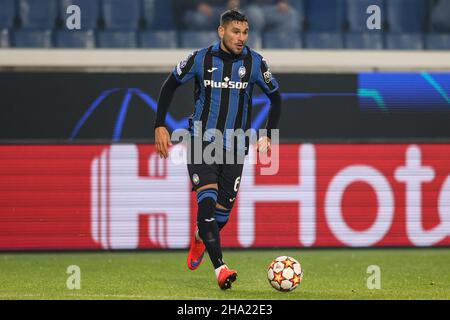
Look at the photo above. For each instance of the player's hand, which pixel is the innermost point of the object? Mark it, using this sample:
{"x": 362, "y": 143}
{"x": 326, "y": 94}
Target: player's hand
{"x": 264, "y": 144}
{"x": 162, "y": 141}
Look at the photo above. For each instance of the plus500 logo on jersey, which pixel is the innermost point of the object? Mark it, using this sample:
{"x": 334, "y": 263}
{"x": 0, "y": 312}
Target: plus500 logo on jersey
{"x": 225, "y": 84}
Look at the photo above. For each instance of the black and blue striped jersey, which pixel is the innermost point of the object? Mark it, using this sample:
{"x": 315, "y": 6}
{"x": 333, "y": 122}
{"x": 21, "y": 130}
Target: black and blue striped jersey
{"x": 224, "y": 86}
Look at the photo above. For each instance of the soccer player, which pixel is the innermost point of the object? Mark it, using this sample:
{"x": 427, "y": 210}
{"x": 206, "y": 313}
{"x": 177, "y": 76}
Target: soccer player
{"x": 225, "y": 74}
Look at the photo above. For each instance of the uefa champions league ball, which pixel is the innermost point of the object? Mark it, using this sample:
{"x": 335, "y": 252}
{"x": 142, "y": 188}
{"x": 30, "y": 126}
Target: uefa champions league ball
{"x": 285, "y": 273}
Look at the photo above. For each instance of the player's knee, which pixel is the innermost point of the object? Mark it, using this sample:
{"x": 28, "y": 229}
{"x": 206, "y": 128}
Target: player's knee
{"x": 207, "y": 226}
{"x": 206, "y": 200}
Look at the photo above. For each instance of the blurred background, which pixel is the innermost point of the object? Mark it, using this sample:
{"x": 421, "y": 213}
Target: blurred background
{"x": 279, "y": 24}
{"x": 363, "y": 87}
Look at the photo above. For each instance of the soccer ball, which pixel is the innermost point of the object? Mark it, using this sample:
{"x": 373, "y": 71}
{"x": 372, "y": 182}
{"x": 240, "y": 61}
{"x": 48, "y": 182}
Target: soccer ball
{"x": 285, "y": 273}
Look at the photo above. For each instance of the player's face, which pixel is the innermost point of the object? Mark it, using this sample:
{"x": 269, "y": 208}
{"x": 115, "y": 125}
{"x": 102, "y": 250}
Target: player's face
{"x": 234, "y": 36}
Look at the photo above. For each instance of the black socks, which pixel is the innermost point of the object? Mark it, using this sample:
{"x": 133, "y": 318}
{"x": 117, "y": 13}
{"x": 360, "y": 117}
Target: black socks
{"x": 208, "y": 228}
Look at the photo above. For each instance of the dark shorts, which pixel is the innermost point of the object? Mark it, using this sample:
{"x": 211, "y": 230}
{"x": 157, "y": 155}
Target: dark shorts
{"x": 226, "y": 176}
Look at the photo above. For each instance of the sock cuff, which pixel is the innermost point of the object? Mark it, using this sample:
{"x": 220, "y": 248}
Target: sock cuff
{"x": 222, "y": 216}
{"x": 217, "y": 270}
{"x": 207, "y": 193}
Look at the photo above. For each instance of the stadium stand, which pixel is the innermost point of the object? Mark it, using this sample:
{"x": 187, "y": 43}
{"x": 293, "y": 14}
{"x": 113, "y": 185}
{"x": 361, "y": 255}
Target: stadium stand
{"x": 372, "y": 41}
{"x": 299, "y": 5}
{"x": 75, "y": 39}
{"x": 4, "y": 38}
{"x": 116, "y": 39}
{"x": 158, "y": 39}
{"x": 276, "y": 40}
{"x": 324, "y": 15}
{"x": 356, "y": 13}
{"x": 409, "y": 16}
{"x": 255, "y": 40}
{"x": 197, "y": 39}
{"x": 437, "y": 41}
{"x": 121, "y": 15}
{"x": 37, "y": 14}
{"x": 90, "y": 12}
{"x": 323, "y": 40}
{"x": 440, "y": 16}
{"x": 32, "y": 38}
{"x": 327, "y": 24}
{"x": 163, "y": 20}
{"x": 7, "y": 14}
{"x": 404, "y": 41}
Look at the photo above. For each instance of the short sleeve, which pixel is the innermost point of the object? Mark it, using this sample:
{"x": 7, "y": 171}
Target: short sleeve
{"x": 186, "y": 69}
{"x": 265, "y": 79}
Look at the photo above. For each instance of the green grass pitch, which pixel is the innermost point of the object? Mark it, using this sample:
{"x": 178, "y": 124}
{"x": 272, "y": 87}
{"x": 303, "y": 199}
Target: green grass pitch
{"x": 328, "y": 274}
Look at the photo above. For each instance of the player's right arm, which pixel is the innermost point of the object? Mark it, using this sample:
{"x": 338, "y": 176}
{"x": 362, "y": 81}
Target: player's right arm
{"x": 182, "y": 73}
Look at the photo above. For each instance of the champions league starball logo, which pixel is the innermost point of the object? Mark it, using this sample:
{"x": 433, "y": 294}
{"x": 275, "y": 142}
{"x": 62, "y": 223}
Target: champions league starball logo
{"x": 183, "y": 63}
{"x": 370, "y": 94}
{"x": 260, "y": 104}
{"x": 261, "y": 107}
{"x": 267, "y": 76}
{"x": 180, "y": 132}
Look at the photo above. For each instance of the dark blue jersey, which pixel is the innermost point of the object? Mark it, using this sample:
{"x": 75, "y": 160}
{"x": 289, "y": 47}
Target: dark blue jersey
{"x": 224, "y": 86}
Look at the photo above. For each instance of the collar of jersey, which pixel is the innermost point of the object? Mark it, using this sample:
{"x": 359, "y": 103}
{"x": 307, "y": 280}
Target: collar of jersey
{"x": 216, "y": 52}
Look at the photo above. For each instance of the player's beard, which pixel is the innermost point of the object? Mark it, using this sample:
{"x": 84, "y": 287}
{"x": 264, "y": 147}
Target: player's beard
{"x": 229, "y": 49}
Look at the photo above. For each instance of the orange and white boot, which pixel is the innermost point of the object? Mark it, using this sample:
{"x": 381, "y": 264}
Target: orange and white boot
{"x": 196, "y": 253}
{"x": 225, "y": 277}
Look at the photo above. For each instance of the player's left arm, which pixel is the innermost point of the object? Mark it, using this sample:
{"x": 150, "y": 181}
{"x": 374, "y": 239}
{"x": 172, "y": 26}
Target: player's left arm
{"x": 264, "y": 143}
{"x": 267, "y": 82}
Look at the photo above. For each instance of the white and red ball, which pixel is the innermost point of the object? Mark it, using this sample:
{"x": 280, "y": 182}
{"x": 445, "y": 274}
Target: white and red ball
{"x": 285, "y": 273}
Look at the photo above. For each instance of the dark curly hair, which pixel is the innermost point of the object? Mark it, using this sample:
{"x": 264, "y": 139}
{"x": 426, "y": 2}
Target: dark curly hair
{"x": 232, "y": 15}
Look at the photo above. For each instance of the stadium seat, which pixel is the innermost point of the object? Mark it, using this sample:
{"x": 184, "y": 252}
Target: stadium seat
{"x": 197, "y": 39}
{"x": 408, "y": 16}
{"x": 278, "y": 40}
{"x": 158, "y": 39}
{"x": 121, "y": 15}
{"x": 7, "y": 13}
{"x": 32, "y": 39}
{"x": 90, "y": 10}
{"x": 373, "y": 41}
{"x": 4, "y": 38}
{"x": 315, "y": 40}
{"x": 75, "y": 39}
{"x": 437, "y": 41}
{"x": 440, "y": 16}
{"x": 324, "y": 15}
{"x": 404, "y": 41}
{"x": 37, "y": 14}
{"x": 158, "y": 14}
{"x": 117, "y": 39}
{"x": 356, "y": 12}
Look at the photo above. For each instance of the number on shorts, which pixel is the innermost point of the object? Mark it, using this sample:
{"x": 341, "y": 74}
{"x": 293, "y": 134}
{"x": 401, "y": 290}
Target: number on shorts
{"x": 236, "y": 183}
